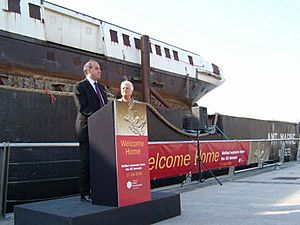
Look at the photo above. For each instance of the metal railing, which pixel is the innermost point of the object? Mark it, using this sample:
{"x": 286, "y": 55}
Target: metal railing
{"x": 6, "y": 146}
{"x": 4, "y": 161}
{"x": 282, "y": 154}
{"x": 4, "y": 166}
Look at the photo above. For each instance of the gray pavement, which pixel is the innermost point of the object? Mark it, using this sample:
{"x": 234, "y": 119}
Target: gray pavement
{"x": 268, "y": 196}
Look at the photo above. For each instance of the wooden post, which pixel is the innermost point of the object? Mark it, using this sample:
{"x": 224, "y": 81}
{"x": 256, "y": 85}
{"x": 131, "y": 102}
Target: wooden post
{"x": 145, "y": 67}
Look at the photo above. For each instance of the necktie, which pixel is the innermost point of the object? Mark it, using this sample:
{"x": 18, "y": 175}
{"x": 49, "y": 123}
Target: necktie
{"x": 101, "y": 100}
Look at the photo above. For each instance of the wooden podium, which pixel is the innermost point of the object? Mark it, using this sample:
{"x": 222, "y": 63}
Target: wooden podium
{"x": 119, "y": 155}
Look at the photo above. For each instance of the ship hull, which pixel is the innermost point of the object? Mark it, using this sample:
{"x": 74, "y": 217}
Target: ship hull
{"x": 24, "y": 56}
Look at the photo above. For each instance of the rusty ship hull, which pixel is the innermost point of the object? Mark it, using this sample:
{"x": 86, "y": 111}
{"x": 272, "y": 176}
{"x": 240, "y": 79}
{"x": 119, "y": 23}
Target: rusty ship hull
{"x": 24, "y": 60}
{"x": 44, "y": 46}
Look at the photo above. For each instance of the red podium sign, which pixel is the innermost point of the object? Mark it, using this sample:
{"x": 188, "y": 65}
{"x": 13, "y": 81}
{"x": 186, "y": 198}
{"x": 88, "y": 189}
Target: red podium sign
{"x": 132, "y": 153}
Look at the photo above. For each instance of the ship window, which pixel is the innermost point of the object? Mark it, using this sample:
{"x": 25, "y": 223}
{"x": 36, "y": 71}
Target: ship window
{"x": 175, "y": 54}
{"x": 137, "y": 43}
{"x": 167, "y": 52}
{"x": 14, "y": 6}
{"x": 34, "y": 11}
{"x": 114, "y": 36}
{"x": 126, "y": 40}
{"x": 191, "y": 60}
{"x": 157, "y": 50}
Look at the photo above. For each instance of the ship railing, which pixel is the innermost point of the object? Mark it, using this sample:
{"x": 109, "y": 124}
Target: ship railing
{"x": 200, "y": 70}
{"x": 6, "y": 147}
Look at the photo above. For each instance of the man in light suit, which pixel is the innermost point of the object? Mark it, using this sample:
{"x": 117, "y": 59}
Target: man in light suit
{"x": 89, "y": 96}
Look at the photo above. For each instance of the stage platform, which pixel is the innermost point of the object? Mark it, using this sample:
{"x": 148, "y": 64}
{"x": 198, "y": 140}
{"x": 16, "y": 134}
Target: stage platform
{"x": 71, "y": 211}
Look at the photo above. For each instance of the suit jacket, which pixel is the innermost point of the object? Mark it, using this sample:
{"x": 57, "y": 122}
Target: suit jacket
{"x": 87, "y": 103}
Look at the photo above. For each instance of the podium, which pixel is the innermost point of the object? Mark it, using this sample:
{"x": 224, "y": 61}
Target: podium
{"x": 118, "y": 143}
{"x": 120, "y": 179}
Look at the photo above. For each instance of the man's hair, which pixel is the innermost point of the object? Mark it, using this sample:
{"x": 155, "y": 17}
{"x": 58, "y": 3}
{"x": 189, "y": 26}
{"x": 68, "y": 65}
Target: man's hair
{"x": 88, "y": 65}
{"x": 127, "y": 82}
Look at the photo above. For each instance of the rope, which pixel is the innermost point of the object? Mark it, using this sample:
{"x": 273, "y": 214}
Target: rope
{"x": 171, "y": 125}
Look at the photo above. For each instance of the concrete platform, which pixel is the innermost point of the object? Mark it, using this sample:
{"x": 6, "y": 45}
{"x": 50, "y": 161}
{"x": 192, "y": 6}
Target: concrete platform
{"x": 71, "y": 211}
{"x": 269, "y": 196}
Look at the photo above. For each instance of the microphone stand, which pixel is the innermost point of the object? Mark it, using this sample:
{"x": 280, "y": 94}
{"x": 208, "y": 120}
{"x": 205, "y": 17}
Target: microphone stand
{"x": 200, "y": 162}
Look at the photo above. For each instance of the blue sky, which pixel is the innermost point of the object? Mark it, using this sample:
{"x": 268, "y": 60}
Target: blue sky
{"x": 256, "y": 43}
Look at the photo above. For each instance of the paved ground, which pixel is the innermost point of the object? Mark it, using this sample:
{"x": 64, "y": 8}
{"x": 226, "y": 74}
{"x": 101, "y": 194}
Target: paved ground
{"x": 267, "y": 198}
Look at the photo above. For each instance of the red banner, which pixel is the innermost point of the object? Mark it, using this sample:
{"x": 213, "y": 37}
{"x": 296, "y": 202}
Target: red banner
{"x": 167, "y": 160}
{"x": 133, "y": 169}
{"x": 174, "y": 159}
{"x": 224, "y": 154}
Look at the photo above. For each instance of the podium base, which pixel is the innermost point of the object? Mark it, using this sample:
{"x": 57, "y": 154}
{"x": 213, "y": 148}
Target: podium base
{"x": 71, "y": 211}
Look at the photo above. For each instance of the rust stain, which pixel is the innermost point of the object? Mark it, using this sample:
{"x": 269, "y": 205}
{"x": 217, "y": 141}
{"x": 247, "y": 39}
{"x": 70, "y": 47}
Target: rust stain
{"x": 50, "y": 56}
{"x": 120, "y": 71}
{"x": 77, "y": 61}
{"x": 55, "y": 79}
{"x": 50, "y": 94}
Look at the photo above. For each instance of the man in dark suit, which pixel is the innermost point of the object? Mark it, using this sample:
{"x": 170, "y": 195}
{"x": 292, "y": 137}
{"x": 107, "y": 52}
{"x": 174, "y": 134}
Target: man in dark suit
{"x": 89, "y": 96}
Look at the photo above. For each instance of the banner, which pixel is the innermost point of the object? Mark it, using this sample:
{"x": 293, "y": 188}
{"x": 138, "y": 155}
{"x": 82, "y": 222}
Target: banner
{"x": 225, "y": 154}
{"x": 174, "y": 159}
{"x": 166, "y": 160}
